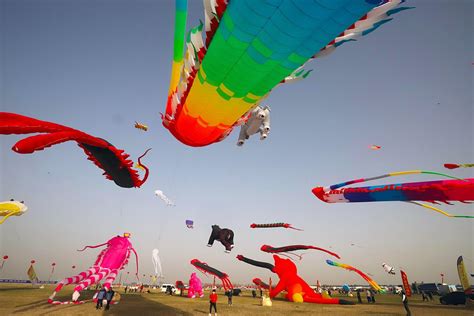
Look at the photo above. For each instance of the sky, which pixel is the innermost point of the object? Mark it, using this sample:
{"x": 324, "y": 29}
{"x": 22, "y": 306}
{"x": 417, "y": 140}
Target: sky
{"x": 99, "y": 66}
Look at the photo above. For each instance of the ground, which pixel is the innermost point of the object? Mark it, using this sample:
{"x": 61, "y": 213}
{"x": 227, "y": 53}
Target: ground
{"x": 24, "y": 299}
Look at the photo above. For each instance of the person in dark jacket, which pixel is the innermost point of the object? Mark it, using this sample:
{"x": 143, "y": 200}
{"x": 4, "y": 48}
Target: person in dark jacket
{"x": 109, "y": 295}
{"x": 358, "y": 296}
{"x": 100, "y": 298}
{"x": 405, "y": 302}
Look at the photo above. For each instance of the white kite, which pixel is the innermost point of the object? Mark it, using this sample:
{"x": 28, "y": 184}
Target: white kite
{"x": 388, "y": 269}
{"x": 164, "y": 198}
{"x": 156, "y": 263}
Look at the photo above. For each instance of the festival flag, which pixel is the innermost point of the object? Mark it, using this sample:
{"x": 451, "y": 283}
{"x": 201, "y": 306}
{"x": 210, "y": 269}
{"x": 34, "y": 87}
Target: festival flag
{"x": 406, "y": 285}
{"x": 463, "y": 276}
{"x": 32, "y": 274}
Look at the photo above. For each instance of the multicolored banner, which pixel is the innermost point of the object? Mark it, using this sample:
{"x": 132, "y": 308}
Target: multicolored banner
{"x": 406, "y": 285}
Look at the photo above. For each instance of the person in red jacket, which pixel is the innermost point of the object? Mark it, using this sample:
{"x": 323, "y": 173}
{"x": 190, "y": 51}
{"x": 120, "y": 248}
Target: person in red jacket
{"x": 212, "y": 302}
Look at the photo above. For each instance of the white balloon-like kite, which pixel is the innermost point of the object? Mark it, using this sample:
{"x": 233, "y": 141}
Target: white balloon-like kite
{"x": 164, "y": 198}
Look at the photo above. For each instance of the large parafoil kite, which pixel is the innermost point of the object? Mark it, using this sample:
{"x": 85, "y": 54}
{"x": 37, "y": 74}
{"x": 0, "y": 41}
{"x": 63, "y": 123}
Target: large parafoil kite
{"x": 372, "y": 283}
{"x": 297, "y": 289}
{"x": 104, "y": 155}
{"x": 11, "y": 208}
{"x": 110, "y": 261}
{"x": 290, "y": 248}
{"x": 206, "y": 269}
{"x": 455, "y": 189}
{"x": 250, "y": 47}
{"x": 224, "y": 235}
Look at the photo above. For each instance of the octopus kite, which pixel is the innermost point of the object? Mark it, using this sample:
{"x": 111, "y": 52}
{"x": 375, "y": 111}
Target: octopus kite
{"x": 372, "y": 283}
{"x": 250, "y": 47}
{"x": 205, "y": 268}
{"x": 11, "y": 208}
{"x": 290, "y": 248}
{"x": 455, "y": 189}
{"x": 104, "y": 155}
{"x": 110, "y": 261}
{"x": 297, "y": 289}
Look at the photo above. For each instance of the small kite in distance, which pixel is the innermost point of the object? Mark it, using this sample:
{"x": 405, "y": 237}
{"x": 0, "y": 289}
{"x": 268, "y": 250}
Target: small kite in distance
{"x": 141, "y": 126}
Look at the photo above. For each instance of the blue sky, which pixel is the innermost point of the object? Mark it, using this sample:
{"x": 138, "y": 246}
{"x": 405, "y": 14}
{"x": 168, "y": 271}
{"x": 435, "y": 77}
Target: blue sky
{"x": 99, "y": 66}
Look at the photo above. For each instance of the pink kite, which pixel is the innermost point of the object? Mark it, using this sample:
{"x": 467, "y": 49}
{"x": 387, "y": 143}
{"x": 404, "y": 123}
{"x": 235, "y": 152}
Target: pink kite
{"x": 111, "y": 260}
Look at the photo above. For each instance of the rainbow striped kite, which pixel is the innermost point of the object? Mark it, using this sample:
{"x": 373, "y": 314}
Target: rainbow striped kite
{"x": 250, "y": 47}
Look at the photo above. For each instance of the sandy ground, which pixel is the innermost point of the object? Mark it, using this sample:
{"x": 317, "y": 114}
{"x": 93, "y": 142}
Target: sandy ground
{"x": 26, "y": 300}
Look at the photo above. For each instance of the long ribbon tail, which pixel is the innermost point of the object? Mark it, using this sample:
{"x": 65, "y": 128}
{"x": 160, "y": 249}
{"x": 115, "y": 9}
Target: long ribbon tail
{"x": 439, "y": 210}
{"x": 96, "y": 246}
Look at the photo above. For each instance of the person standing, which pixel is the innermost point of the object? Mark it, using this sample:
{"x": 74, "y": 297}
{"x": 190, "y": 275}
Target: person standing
{"x": 108, "y": 297}
{"x": 358, "y": 296}
{"x": 100, "y": 298}
{"x": 369, "y": 296}
{"x": 213, "y": 302}
{"x": 373, "y": 296}
{"x": 229, "y": 297}
{"x": 405, "y": 302}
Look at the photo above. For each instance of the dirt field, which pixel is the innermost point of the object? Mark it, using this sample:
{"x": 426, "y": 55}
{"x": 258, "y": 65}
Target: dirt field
{"x": 23, "y": 299}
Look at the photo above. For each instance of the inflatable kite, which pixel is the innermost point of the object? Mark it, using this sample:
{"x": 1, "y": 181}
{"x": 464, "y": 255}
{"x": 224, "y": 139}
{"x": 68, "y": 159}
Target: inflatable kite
{"x": 250, "y": 47}
{"x": 297, "y": 289}
{"x": 205, "y": 268}
{"x": 461, "y": 190}
{"x": 141, "y": 126}
{"x": 164, "y": 198}
{"x": 110, "y": 261}
{"x": 258, "y": 282}
{"x": 11, "y": 208}
{"x": 375, "y": 147}
{"x": 273, "y": 225}
{"x": 156, "y": 263}
{"x": 388, "y": 269}
{"x": 195, "y": 286}
{"x": 104, "y": 155}
{"x": 258, "y": 121}
{"x": 371, "y": 282}
{"x": 189, "y": 223}
{"x": 224, "y": 235}
{"x": 288, "y": 249}
{"x": 455, "y": 166}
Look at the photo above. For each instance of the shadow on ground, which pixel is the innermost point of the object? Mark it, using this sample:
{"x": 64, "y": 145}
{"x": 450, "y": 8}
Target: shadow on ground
{"x": 129, "y": 305}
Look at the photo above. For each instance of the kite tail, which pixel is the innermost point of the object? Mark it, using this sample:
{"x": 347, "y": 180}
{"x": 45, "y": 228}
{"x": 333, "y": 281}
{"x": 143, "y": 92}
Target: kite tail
{"x": 291, "y": 227}
{"x": 147, "y": 171}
